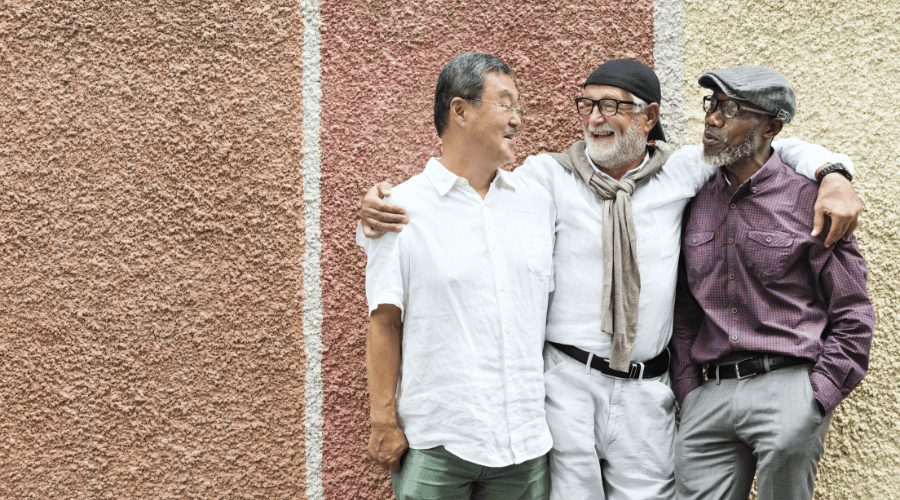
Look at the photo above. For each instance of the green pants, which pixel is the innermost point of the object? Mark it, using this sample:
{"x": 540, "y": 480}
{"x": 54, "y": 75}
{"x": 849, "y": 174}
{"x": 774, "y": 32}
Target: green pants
{"x": 437, "y": 474}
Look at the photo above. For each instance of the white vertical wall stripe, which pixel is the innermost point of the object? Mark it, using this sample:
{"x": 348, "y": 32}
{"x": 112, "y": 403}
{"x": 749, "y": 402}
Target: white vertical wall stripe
{"x": 668, "y": 57}
{"x": 312, "y": 271}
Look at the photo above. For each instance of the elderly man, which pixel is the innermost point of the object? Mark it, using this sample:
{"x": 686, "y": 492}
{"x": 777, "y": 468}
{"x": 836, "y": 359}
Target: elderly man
{"x": 618, "y": 224}
{"x": 782, "y": 323}
{"x": 469, "y": 287}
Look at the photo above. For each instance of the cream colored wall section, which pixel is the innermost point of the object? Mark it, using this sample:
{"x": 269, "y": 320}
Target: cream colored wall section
{"x": 842, "y": 60}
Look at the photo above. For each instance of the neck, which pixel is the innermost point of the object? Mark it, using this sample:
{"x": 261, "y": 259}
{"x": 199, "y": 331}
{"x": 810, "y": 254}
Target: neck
{"x": 741, "y": 170}
{"x": 479, "y": 174}
{"x": 618, "y": 171}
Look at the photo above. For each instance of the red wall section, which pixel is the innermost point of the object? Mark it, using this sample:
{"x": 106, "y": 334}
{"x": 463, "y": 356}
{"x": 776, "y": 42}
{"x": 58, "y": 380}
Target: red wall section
{"x": 151, "y": 344}
{"x": 380, "y": 62}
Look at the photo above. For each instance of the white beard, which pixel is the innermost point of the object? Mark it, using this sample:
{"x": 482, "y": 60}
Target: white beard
{"x": 732, "y": 154}
{"x": 629, "y": 147}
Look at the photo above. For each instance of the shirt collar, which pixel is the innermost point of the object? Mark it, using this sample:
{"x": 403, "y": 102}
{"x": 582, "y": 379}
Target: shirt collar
{"x": 771, "y": 167}
{"x": 631, "y": 172}
{"x": 444, "y": 180}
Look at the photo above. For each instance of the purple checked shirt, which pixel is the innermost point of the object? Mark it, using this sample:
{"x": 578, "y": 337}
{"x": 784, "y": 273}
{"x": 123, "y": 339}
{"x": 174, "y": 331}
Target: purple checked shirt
{"x": 755, "y": 281}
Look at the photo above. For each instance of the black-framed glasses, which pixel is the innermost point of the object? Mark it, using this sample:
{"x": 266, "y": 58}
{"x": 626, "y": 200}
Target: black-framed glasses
{"x": 507, "y": 107}
{"x": 729, "y": 108}
{"x": 608, "y": 106}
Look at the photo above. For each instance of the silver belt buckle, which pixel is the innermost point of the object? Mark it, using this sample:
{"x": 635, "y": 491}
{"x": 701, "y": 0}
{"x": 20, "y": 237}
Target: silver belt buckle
{"x": 737, "y": 370}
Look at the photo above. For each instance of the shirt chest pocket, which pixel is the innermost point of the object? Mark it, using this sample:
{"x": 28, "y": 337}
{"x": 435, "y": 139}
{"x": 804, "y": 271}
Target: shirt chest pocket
{"x": 699, "y": 254}
{"x": 769, "y": 254}
{"x": 537, "y": 246}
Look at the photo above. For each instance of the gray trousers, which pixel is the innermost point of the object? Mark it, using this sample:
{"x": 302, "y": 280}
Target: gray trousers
{"x": 731, "y": 428}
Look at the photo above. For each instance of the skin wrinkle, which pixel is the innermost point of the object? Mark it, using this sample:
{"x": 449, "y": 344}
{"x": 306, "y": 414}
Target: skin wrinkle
{"x": 732, "y": 154}
{"x": 625, "y": 149}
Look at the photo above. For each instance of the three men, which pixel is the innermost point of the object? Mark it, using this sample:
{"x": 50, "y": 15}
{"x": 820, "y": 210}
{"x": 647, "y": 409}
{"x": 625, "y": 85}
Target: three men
{"x": 782, "y": 324}
{"x": 618, "y": 223}
{"x": 468, "y": 281}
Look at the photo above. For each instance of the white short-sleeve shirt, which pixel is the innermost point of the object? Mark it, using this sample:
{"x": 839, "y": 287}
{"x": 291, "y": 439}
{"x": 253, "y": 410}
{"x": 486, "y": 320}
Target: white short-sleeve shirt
{"x": 472, "y": 279}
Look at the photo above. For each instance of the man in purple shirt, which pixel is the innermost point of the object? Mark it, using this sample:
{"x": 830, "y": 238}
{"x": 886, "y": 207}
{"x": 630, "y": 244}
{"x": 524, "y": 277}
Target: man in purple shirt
{"x": 772, "y": 328}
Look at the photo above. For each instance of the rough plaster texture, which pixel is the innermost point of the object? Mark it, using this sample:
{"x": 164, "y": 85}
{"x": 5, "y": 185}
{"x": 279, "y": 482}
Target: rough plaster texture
{"x": 842, "y": 59}
{"x": 150, "y": 243}
{"x": 312, "y": 270}
{"x": 668, "y": 54}
{"x": 380, "y": 61}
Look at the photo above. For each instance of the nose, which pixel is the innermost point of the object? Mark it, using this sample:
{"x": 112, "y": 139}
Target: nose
{"x": 715, "y": 119}
{"x": 596, "y": 117}
{"x": 516, "y": 119}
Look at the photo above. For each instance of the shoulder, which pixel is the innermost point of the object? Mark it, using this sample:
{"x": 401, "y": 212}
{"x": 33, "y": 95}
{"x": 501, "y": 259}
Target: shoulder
{"x": 413, "y": 193}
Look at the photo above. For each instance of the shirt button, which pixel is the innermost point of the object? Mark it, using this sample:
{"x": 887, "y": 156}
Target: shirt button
{"x": 734, "y": 337}
{"x": 506, "y": 330}
{"x": 769, "y": 239}
{"x": 731, "y": 276}
{"x": 510, "y": 372}
{"x": 733, "y": 311}
{"x": 733, "y": 206}
{"x": 502, "y": 288}
{"x": 730, "y": 241}
{"x": 753, "y": 189}
{"x": 696, "y": 240}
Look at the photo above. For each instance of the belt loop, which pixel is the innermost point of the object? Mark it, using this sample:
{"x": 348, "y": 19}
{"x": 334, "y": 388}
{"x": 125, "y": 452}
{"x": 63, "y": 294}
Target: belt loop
{"x": 641, "y": 375}
{"x": 766, "y": 363}
{"x": 718, "y": 381}
{"x": 587, "y": 366}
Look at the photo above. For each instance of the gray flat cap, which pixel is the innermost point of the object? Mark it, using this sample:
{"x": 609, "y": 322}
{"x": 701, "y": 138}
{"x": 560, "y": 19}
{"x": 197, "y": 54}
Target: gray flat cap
{"x": 759, "y": 85}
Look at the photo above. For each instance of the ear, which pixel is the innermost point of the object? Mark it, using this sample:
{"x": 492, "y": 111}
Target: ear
{"x": 772, "y": 128}
{"x": 652, "y": 114}
{"x": 458, "y": 111}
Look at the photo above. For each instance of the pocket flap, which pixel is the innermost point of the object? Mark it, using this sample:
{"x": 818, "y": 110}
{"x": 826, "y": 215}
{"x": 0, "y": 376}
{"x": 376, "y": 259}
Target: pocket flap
{"x": 772, "y": 238}
{"x": 697, "y": 239}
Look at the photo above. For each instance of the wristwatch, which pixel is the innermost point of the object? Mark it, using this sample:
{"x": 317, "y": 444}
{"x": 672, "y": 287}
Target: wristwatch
{"x": 834, "y": 167}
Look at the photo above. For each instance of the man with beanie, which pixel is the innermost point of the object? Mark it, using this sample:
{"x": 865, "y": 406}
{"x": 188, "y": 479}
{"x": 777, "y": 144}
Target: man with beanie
{"x": 772, "y": 328}
{"x": 619, "y": 204}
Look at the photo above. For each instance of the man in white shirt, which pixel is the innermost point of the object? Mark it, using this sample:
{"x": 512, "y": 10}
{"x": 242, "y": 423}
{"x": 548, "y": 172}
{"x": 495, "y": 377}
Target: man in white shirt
{"x": 468, "y": 281}
{"x": 609, "y": 403}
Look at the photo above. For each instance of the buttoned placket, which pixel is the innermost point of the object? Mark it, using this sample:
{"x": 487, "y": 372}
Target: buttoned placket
{"x": 502, "y": 284}
{"x": 731, "y": 258}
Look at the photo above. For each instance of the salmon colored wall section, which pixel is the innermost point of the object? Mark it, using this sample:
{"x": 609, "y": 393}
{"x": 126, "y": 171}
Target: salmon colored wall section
{"x": 380, "y": 62}
{"x": 150, "y": 295}
{"x": 843, "y": 60}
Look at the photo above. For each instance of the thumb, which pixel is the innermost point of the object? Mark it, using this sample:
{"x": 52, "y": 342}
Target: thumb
{"x": 818, "y": 222}
{"x": 384, "y": 189}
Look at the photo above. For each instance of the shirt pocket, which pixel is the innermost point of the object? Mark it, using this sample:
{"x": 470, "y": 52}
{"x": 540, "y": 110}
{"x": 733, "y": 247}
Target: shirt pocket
{"x": 537, "y": 247}
{"x": 769, "y": 254}
{"x": 699, "y": 254}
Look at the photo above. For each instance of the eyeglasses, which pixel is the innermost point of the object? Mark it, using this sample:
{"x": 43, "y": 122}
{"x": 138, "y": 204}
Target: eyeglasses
{"x": 608, "y": 106}
{"x": 508, "y": 108}
{"x": 729, "y": 108}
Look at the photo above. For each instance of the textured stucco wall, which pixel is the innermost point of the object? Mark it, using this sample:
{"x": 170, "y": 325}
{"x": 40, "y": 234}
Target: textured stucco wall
{"x": 150, "y": 247}
{"x": 842, "y": 60}
{"x": 380, "y": 61}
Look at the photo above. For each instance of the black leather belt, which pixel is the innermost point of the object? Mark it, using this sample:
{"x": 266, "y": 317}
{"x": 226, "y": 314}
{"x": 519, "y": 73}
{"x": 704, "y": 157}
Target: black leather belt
{"x": 753, "y": 365}
{"x": 651, "y": 369}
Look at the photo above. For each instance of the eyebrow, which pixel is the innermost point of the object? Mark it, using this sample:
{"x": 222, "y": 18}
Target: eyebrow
{"x": 506, "y": 93}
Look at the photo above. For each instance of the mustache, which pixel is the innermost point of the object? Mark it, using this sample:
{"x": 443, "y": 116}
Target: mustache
{"x": 708, "y": 131}
{"x": 512, "y": 131}
{"x": 601, "y": 128}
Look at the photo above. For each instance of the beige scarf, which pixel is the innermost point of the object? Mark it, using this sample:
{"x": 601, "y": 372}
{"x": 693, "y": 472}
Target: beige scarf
{"x": 621, "y": 275}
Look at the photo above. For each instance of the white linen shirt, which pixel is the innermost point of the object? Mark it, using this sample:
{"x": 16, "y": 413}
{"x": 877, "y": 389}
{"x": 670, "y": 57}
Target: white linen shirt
{"x": 574, "y": 315}
{"x": 472, "y": 279}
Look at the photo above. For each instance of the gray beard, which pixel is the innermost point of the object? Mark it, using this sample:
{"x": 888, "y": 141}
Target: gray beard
{"x": 732, "y": 154}
{"x": 630, "y": 147}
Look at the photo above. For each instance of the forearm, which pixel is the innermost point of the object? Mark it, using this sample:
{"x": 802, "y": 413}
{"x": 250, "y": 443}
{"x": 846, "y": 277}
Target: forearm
{"x": 383, "y": 348}
{"x": 845, "y": 355}
{"x": 807, "y": 159}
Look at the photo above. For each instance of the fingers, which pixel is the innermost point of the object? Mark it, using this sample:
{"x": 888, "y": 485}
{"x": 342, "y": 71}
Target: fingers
{"x": 851, "y": 229}
{"x": 818, "y": 221}
{"x": 838, "y": 228}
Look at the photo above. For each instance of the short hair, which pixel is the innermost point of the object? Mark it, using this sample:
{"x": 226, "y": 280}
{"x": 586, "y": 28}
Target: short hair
{"x": 463, "y": 77}
{"x": 639, "y": 104}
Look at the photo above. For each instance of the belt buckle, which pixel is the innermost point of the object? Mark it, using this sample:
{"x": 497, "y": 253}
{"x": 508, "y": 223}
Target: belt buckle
{"x": 737, "y": 369}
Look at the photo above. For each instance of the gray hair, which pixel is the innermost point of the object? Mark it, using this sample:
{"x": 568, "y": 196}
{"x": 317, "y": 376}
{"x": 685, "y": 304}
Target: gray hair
{"x": 639, "y": 105}
{"x": 463, "y": 77}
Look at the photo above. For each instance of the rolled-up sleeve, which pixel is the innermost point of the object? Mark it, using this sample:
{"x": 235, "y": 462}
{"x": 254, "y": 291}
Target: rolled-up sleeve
{"x": 385, "y": 279}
